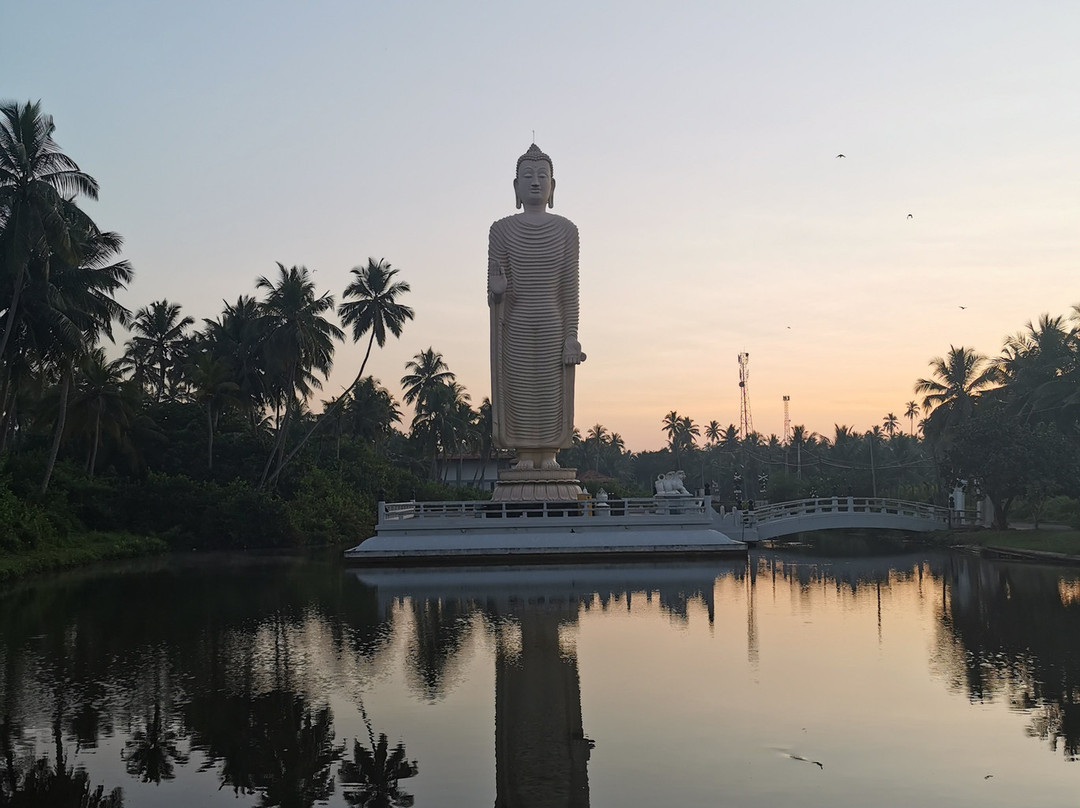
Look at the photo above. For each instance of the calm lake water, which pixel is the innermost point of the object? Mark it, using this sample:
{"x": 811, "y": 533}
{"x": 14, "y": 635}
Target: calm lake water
{"x": 797, "y": 679}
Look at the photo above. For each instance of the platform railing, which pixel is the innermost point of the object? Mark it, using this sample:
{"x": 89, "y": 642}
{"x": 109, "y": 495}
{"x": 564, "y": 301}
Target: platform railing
{"x": 390, "y": 512}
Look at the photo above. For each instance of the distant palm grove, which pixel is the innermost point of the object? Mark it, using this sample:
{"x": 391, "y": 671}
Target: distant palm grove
{"x": 214, "y": 433}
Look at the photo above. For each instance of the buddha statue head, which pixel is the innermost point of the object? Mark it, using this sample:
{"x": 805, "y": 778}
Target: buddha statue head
{"x": 534, "y": 181}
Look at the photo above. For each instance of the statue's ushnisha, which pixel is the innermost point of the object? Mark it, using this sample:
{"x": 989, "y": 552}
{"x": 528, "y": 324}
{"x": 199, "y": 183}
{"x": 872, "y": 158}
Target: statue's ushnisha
{"x": 533, "y": 295}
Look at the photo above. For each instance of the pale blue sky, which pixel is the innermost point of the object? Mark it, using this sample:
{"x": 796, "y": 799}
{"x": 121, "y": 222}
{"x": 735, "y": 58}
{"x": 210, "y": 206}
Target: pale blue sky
{"x": 694, "y": 146}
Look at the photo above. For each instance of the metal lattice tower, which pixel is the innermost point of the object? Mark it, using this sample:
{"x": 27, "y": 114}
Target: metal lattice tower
{"x": 787, "y": 420}
{"x": 746, "y": 420}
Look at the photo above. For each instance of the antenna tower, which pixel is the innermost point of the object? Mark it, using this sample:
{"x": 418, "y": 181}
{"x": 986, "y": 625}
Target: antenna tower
{"x": 746, "y": 421}
{"x": 787, "y": 420}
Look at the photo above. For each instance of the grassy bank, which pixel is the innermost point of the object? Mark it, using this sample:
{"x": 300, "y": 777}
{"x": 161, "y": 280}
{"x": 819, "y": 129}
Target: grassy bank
{"x": 76, "y": 551}
{"x": 1066, "y": 542}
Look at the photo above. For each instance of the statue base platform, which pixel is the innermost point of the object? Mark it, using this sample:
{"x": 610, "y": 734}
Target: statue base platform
{"x": 537, "y": 485}
{"x": 566, "y": 530}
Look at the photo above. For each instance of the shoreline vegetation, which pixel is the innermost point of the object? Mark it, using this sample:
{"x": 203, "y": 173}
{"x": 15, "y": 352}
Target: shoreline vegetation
{"x": 77, "y": 551}
{"x": 1054, "y": 544}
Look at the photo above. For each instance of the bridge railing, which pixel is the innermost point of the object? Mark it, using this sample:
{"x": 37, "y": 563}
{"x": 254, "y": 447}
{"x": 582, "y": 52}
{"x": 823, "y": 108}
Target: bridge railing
{"x": 829, "y": 505}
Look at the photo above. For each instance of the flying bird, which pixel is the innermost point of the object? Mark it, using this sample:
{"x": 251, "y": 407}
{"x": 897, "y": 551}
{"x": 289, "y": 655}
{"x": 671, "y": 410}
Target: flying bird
{"x": 841, "y": 155}
{"x": 963, "y": 307}
{"x": 910, "y": 216}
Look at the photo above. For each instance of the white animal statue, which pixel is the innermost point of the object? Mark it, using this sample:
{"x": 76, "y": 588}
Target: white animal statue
{"x": 671, "y": 484}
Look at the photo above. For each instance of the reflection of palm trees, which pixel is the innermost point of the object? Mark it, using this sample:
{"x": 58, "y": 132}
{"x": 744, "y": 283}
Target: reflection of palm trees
{"x": 371, "y": 778}
{"x": 47, "y": 786}
{"x": 441, "y": 628}
{"x": 296, "y": 751}
{"x": 1012, "y": 630}
{"x": 152, "y": 749}
{"x": 274, "y": 743}
{"x": 63, "y": 787}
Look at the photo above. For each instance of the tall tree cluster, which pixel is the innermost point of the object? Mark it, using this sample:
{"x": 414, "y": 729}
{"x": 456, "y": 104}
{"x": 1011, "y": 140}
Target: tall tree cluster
{"x": 1009, "y": 426}
{"x": 59, "y": 274}
{"x": 230, "y": 397}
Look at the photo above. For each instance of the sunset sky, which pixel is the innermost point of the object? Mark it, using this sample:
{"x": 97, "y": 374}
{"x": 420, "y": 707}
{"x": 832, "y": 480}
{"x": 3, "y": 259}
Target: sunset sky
{"x": 695, "y": 146}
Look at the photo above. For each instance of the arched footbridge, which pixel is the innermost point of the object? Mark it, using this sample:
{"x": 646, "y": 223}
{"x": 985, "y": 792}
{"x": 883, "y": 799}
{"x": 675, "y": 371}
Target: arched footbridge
{"x": 833, "y": 513}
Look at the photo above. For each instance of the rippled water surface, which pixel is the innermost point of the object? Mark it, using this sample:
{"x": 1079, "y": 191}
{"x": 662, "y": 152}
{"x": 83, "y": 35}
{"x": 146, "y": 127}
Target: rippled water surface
{"x": 794, "y": 679}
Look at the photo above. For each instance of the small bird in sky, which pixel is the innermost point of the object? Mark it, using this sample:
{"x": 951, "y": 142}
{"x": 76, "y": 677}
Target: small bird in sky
{"x": 963, "y": 307}
{"x": 841, "y": 155}
{"x": 817, "y": 763}
{"x": 910, "y": 216}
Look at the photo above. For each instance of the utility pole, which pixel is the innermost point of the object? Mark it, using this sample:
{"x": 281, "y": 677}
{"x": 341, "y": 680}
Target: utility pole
{"x": 873, "y": 474}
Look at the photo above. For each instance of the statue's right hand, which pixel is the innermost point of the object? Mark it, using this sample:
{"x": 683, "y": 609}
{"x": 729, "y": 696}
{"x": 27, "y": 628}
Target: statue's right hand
{"x": 497, "y": 284}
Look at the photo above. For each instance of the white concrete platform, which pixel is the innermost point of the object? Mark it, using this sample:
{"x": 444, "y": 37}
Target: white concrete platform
{"x": 505, "y": 532}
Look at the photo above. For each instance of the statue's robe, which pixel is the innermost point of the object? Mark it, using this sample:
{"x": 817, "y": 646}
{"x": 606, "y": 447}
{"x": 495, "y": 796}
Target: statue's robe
{"x": 532, "y": 390}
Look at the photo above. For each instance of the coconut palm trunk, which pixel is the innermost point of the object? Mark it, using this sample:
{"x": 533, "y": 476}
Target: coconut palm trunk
{"x": 97, "y": 439}
{"x": 210, "y": 424}
{"x": 13, "y": 307}
{"x": 58, "y": 429}
{"x": 325, "y": 415}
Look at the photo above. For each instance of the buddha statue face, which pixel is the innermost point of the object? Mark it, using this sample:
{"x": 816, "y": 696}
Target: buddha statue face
{"x": 534, "y": 186}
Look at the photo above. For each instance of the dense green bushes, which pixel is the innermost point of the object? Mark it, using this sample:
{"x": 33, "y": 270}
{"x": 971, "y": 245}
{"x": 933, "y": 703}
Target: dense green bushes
{"x": 23, "y": 525}
{"x": 330, "y": 503}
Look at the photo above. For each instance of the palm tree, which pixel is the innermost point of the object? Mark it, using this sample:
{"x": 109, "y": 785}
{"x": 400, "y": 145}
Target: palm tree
{"x": 911, "y": 413}
{"x": 67, "y": 309}
{"x": 713, "y": 433}
{"x": 443, "y": 420}
{"x": 213, "y": 386}
{"x": 949, "y": 397}
{"x": 157, "y": 346}
{"x": 298, "y": 343}
{"x": 104, "y": 403}
{"x": 890, "y": 423}
{"x": 375, "y": 310}
{"x": 729, "y": 438}
{"x": 427, "y": 371}
{"x": 688, "y": 432}
{"x": 372, "y": 412}
{"x": 798, "y": 440}
{"x": 1058, "y": 398}
{"x": 1034, "y": 358}
{"x": 595, "y": 439}
{"x": 615, "y": 448}
{"x": 238, "y": 339}
{"x": 671, "y": 426}
{"x": 38, "y": 216}
{"x": 484, "y": 429}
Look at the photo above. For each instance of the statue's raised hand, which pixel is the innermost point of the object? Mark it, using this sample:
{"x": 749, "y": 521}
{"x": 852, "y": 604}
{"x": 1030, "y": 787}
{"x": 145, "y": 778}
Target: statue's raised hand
{"x": 572, "y": 353}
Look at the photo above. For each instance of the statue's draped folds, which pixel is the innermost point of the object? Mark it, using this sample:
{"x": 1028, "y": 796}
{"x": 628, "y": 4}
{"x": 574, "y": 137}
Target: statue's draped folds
{"x": 532, "y": 385}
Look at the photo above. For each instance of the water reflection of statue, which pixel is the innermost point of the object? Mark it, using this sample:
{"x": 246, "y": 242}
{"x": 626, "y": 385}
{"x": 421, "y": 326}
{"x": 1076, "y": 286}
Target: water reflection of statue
{"x": 541, "y": 752}
{"x": 533, "y": 295}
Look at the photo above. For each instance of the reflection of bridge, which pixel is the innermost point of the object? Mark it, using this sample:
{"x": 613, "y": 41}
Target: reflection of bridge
{"x": 832, "y": 513}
